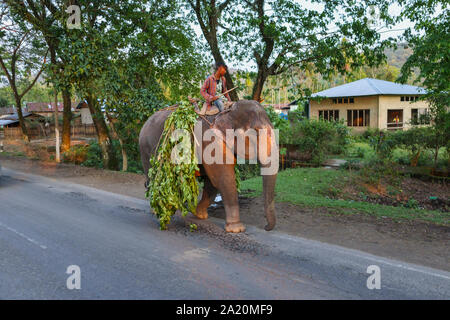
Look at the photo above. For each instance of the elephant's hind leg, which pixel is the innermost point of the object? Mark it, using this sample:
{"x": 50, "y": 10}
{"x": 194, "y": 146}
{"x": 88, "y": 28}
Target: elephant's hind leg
{"x": 208, "y": 196}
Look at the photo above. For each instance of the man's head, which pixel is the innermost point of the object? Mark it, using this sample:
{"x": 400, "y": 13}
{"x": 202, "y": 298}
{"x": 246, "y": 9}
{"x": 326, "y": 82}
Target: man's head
{"x": 221, "y": 69}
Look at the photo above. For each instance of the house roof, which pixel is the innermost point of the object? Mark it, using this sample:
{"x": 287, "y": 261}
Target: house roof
{"x": 11, "y": 118}
{"x": 14, "y": 116}
{"x": 370, "y": 87}
{"x": 7, "y": 110}
{"x": 47, "y": 106}
{"x": 7, "y": 122}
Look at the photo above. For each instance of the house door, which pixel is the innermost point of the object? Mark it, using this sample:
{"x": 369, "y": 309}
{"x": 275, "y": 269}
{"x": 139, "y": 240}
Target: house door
{"x": 395, "y": 120}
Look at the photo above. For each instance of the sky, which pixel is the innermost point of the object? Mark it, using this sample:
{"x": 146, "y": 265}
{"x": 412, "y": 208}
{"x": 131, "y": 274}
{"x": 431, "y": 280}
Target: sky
{"x": 394, "y": 31}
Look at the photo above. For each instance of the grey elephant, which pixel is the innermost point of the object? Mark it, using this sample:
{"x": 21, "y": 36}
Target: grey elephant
{"x": 220, "y": 177}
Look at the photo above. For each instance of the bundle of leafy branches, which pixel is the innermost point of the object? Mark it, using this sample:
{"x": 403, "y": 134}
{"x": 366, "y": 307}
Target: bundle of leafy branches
{"x": 173, "y": 185}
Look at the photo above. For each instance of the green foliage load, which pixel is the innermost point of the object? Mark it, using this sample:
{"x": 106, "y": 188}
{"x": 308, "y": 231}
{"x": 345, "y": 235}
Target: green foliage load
{"x": 173, "y": 186}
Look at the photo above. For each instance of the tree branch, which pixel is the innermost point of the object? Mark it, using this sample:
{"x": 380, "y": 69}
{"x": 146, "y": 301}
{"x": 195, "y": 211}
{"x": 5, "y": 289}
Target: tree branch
{"x": 36, "y": 77}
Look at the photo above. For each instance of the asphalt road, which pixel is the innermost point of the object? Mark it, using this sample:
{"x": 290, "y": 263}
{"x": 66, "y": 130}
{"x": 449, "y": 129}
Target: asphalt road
{"x": 46, "y": 226}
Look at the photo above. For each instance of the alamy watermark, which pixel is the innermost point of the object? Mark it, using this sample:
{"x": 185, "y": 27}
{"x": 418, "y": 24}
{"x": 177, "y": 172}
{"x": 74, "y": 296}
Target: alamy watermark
{"x": 74, "y": 280}
{"x": 74, "y": 20}
{"x": 216, "y": 147}
{"x": 374, "y": 280}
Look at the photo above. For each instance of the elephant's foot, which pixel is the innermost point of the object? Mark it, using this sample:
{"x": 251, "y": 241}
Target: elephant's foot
{"x": 201, "y": 214}
{"x": 235, "y": 227}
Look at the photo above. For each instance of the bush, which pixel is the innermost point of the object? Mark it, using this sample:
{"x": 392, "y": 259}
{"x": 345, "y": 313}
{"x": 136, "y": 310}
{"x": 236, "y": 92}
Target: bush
{"x": 319, "y": 138}
{"x": 93, "y": 156}
{"x": 76, "y": 154}
{"x": 281, "y": 124}
{"x": 401, "y": 156}
{"x": 247, "y": 171}
{"x": 358, "y": 150}
{"x": 370, "y": 132}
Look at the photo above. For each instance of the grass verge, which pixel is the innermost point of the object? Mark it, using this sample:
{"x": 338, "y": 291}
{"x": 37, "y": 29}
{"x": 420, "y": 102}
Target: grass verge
{"x": 318, "y": 187}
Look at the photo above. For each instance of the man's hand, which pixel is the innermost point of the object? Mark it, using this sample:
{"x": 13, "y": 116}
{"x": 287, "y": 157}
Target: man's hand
{"x": 215, "y": 98}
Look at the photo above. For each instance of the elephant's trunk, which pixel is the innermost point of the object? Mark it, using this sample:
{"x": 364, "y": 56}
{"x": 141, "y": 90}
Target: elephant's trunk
{"x": 269, "y": 203}
{"x": 268, "y": 158}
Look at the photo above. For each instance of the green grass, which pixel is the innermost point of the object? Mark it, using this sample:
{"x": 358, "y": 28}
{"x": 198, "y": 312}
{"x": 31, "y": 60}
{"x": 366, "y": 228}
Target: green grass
{"x": 358, "y": 150}
{"x": 13, "y": 154}
{"x": 310, "y": 187}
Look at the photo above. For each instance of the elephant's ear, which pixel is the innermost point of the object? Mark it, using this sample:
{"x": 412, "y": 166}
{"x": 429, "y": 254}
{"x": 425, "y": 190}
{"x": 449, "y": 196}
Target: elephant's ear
{"x": 224, "y": 124}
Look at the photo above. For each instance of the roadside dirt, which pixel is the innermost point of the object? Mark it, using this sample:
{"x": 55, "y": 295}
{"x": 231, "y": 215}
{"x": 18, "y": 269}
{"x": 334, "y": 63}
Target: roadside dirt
{"x": 410, "y": 241}
{"x": 412, "y": 193}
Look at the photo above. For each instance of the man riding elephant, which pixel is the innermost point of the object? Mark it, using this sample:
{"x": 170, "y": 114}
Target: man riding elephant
{"x": 251, "y": 138}
{"x": 215, "y": 82}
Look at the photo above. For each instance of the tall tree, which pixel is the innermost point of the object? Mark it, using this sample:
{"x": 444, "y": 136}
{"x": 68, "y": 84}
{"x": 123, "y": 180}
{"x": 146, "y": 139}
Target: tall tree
{"x": 430, "y": 40}
{"x": 329, "y": 35}
{"x": 48, "y": 18}
{"x": 161, "y": 64}
{"x": 20, "y": 57}
{"x": 208, "y": 14}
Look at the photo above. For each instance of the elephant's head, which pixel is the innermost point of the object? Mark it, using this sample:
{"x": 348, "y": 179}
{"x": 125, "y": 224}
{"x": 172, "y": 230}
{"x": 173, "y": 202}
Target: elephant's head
{"x": 254, "y": 139}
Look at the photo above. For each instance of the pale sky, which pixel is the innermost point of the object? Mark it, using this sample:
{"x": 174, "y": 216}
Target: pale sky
{"x": 394, "y": 31}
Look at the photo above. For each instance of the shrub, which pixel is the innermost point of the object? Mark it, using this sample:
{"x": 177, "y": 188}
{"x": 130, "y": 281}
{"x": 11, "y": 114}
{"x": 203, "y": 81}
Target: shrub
{"x": 93, "y": 156}
{"x": 319, "y": 138}
{"x": 247, "y": 171}
{"x": 370, "y": 132}
{"x": 415, "y": 140}
{"x": 76, "y": 154}
{"x": 283, "y": 125}
{"x": 358, "y": 150}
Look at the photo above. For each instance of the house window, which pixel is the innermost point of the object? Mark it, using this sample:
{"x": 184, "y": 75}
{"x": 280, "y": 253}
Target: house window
{"x": 395, "y": 119}
{"x": 420, "y": 116}
{"x": 358, "y": 118}
{"x": 344, "y": 100}
{"x": 409, "y": 98}
{"x": 330, "y": 115}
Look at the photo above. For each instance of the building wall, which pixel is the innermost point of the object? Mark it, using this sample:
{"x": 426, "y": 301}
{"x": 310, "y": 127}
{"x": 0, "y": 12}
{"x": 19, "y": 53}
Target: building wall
{"x": 378, "y": 106}
{"x": 394, "y": 103}
{"x": 370, "y": 102}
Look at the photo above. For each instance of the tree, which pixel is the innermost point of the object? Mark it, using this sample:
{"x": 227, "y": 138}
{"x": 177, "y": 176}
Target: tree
{"x": 47, "y": 18}
{"x": 161, "y": 65}
{"x": 208, "y": 14}
{"x": 3, "y": 102}
{"x": 122, "y": 58}
{"x": 277, "y": 35}
{"x": 20, "y": 56}
{"x": 430, "y": 41}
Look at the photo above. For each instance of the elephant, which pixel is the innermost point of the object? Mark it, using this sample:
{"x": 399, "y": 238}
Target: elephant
{"x": 243, "y": 115}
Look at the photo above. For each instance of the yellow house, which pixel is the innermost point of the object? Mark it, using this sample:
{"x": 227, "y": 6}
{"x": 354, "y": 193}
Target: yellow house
{"x": 371, "y": 103}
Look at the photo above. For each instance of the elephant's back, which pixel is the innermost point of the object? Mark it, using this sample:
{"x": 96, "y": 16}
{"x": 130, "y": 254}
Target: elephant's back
{"x": 152, "y": 130}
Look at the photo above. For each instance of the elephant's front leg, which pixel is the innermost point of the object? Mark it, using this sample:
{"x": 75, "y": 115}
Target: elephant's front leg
{"x": 223, "y": 178}
{"x": 208, "y": 195}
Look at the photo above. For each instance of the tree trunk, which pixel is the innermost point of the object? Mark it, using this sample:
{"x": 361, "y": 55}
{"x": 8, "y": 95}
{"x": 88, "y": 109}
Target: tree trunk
{"x": 259, "y": 85}
{"x": 23, "y": 126}
{"x": 415, "y": 158}
{"x": 67, "y": 117}
{"x": 104, "y": 139}
{"x": 218, "y": 58}
{"x": 57, "y": 144}
{"x": 122, "y": 147}
{"x": 211, "y": 38}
